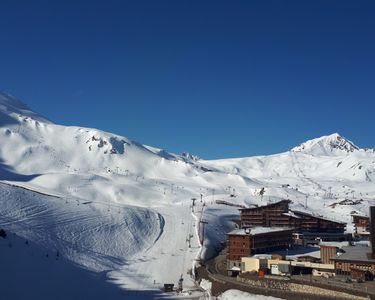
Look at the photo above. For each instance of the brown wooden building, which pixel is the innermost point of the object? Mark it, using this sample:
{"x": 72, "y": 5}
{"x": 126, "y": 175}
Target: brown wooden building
{"x": 247, "y": 242}
{"x": 309, "y": 222}
{"x": 267, "y": 215}
{"x": 361, "y": 225}
{"x": 327, "y": 252}
{"x": 278, "y": 215}
{"x": 358, "y": 261}
{"x": 354, "y": 258}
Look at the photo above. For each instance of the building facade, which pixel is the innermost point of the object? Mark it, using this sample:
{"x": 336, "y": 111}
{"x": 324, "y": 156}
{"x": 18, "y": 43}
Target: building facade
{"x": 354, "y": 258}
{"x": 266, "y": 216}
{"x": 278, "y": 215}
{"x": 247, "y": 242}
{"x": 361, "y": 225}
{"x": 358, "y": 261}
{"x": 327, "y": 252}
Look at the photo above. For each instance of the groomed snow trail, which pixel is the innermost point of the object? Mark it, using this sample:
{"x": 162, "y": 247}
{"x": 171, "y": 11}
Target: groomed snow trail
{"x": 169, "y": 258}
{"x": 92, "y": 235}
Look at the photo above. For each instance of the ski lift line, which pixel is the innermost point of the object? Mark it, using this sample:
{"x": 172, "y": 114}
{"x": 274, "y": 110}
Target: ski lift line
{"x": 190, "y": 236}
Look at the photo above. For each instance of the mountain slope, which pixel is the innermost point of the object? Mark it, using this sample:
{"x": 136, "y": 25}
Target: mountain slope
{"x": 111, "y": 204}
{"x": 333, "y": 144}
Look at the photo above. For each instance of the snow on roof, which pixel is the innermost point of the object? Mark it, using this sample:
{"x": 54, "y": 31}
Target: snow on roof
{"x": 304, "y": 213}
{"x": 239, "y": 295}
{"x": 353, "y": 253}
{"x": 291, "y": 214}
{"x": 360, "y": 216}
{"x": 334, "y": 244}
{"x": 267, "y": 205}
{"x": 258, "y": 230}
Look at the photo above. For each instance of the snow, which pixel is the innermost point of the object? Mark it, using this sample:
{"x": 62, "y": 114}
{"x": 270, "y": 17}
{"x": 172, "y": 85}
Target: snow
{"x": 206, "y": 285}
{"x": 258, "y": 230}
{"x": 82, "y": 232}
{"x": 333, "y": 144}
{"x": 239, "y": 295}
{"x": 28, "y": 273}
{"x": 109, "y": 204}
{"x": 291, "y": 214}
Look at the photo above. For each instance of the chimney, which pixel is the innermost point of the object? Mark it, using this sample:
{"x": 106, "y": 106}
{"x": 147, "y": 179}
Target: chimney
{"x": 372, "y": 231}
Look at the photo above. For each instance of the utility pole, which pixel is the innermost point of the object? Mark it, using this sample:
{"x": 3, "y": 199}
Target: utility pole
{"x": 188, "y": 240}
{"x": 202, "y": 236}
{"x": 193, "y": 204}
{"x": 180, "y": 284}
{"x": 306, "y": 200}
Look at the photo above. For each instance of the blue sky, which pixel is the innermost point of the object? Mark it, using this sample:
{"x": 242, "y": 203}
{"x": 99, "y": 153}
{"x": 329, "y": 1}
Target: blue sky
{"x": 215, "y": 78}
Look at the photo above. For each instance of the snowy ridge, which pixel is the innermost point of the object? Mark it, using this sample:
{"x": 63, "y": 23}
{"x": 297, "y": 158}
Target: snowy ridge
{"x": 333, "y": 144}
{"x": 13, "y": 110}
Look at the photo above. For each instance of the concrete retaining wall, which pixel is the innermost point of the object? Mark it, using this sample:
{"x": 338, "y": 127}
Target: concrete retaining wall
{"x": 298, "y": 288}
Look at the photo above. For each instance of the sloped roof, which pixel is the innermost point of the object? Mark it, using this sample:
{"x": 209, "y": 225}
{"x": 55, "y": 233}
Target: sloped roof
{"x": 353, "y": 253}
{"x": 258, "y": 230}
{"x": 267, "y": 205}
{"x": 303, "y": 213}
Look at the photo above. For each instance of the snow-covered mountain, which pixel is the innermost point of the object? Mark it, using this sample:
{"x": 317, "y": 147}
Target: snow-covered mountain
{"x": 108, "y": 203}
{"x": 333, "y": 144}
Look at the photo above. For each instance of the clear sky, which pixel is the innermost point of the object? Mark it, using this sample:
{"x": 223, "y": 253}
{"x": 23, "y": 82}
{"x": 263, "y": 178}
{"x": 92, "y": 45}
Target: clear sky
{"x": 215, "y": 78}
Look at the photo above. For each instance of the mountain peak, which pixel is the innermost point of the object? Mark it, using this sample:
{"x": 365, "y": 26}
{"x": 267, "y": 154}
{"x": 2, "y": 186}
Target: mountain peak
{"x": 190, "y": 157}
{"x": 328, "y": 145}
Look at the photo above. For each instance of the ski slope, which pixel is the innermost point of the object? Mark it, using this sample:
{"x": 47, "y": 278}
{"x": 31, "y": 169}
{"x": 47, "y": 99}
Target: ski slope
{"x": 30, "y": 271}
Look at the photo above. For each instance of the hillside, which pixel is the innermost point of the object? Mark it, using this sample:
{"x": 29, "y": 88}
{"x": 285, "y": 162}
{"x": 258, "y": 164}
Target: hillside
{"x": 110, "y": 204}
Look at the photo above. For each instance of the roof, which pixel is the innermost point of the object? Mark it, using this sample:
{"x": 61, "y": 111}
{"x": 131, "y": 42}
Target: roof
{"x": 291, "y": 214}
{"x": 360, "y": 216}
{"x": 353, "y": 253}
{"x": 303, "y": 213}
{"x": 328, "y": 246}
{"x": 308, "y": 256}
{"x": 259, "y": 230}
{"x": 334, "y": 244}
{"x": 267, "y": 205}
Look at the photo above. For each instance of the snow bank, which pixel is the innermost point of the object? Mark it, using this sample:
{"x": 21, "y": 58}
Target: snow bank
{"x": 239, "y": 295}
